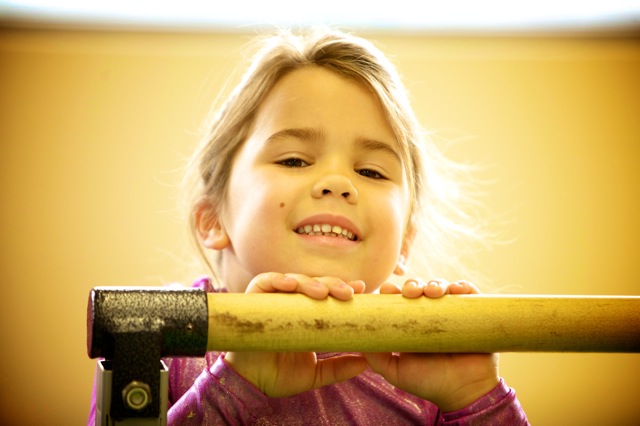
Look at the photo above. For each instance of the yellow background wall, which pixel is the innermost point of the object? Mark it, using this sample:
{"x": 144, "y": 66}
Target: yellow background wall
{"x": 95, "y": 127}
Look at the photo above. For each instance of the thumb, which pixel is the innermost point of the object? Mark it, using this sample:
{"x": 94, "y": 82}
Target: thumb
{"x": 338, "y": 369}
{"x": 383, "y": 363}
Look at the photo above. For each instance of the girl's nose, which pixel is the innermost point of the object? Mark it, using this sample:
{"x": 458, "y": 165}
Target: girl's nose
{"x": 335, "y": 185}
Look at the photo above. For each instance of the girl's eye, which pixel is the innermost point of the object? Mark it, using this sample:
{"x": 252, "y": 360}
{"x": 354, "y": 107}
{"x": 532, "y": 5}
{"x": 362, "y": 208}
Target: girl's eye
{"x": 293, "y": 162}
{"x": 370, "y": 174}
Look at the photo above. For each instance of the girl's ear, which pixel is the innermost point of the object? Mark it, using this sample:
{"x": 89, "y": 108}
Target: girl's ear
{"x": 401, "y": 266}
{"x": 211, "y": 231}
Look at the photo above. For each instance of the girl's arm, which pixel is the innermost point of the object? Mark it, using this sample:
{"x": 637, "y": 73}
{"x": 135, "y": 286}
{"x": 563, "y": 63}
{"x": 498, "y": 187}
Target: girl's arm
{"x": 236, "y": 387}
{"x": 459, "y": 384}
{"x": 291, "y": 373}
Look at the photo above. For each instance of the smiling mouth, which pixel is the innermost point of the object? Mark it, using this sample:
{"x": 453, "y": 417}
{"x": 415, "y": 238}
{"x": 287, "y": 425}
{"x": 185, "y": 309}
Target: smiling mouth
{"x": 328, "y": 231}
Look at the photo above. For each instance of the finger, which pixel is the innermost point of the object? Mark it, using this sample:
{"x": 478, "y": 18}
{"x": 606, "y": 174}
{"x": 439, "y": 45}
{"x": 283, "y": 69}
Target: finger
{"x": 311, "y": 287}
{"x": 271, "y": 282}
{"x": 338, "y": 369}
{"x": 336, "y": 287}
{"x": 463, "y": 287}
{"x": 436, "y": 288}
{"x": 358, "y": 286}
{"x": 390, "y": 288}
{"x": 413, "y": 288}
{"x": 383, "y": 363}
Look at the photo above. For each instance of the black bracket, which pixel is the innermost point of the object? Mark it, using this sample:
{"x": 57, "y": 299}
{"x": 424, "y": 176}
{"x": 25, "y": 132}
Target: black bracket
{"x": 132, "y": 328}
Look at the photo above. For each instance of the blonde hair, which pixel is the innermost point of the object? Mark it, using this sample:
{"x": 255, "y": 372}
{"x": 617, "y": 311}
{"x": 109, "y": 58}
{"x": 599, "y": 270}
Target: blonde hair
{"x": 435, "y": 212}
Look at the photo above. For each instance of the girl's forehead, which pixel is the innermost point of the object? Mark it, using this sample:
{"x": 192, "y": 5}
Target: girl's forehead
{"x": 314, "y": 96}
{"x": 314, "y": 81}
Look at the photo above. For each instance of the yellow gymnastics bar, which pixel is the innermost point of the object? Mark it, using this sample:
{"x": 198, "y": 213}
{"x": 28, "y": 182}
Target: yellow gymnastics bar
{"x": 391, "y": 323}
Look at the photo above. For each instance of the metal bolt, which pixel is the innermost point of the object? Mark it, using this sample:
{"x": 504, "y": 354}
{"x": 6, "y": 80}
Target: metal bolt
{"x": 136, "y": 395}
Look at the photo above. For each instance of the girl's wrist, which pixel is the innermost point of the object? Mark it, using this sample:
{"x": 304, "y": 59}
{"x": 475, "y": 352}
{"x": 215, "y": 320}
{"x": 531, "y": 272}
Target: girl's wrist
{"x": 467, "y": 395}
{"x": 231, "y": 359}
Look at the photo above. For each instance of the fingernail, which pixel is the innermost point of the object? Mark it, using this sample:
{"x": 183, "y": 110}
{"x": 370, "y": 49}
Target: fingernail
{"x": 411, "y": 283}
{"x": 433, "y": 283}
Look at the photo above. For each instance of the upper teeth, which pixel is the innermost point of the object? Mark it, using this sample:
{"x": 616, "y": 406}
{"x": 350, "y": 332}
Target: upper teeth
{"x": 326, "y": 229}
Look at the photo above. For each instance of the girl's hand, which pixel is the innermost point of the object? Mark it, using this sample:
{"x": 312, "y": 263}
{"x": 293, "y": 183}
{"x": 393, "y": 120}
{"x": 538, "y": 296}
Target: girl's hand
{"x": 289, "y": 373}
{"x": 451, "y": 381}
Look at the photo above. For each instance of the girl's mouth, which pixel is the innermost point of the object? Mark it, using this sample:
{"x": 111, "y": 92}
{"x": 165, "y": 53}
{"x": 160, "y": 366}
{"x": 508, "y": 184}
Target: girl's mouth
{"x": 327, "y": 230}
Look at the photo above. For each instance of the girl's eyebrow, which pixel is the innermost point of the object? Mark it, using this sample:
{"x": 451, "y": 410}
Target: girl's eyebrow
{"x": 375, "y": 145}
{"x": 302, "y": 134}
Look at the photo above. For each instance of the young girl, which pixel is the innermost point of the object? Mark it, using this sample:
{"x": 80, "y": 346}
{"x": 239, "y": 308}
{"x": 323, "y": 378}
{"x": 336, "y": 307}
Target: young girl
{"x": 315, "y": 179}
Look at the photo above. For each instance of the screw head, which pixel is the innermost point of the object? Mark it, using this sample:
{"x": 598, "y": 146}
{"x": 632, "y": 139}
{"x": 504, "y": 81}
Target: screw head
{"x": 136, "y": 395}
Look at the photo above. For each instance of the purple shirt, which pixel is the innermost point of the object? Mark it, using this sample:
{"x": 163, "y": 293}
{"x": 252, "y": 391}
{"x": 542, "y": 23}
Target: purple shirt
{"x": 206, "y": 391}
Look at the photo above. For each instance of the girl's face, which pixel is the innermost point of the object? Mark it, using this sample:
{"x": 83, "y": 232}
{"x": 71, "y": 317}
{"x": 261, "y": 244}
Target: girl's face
{"x": 317, "y": 189}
